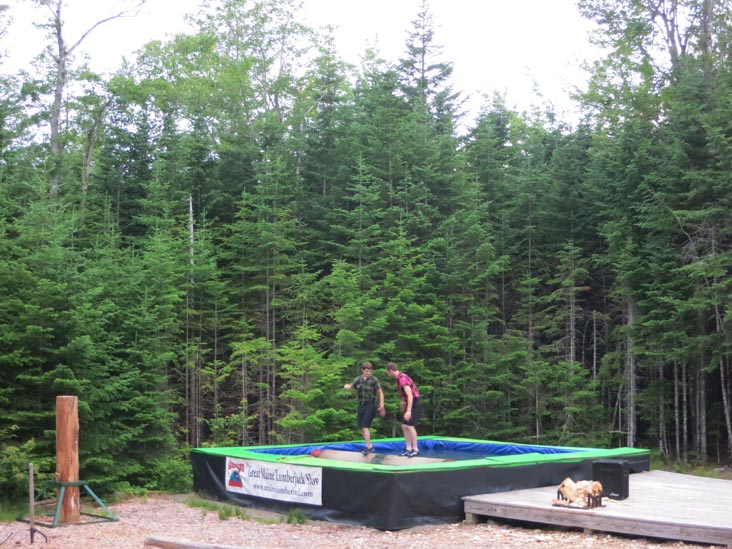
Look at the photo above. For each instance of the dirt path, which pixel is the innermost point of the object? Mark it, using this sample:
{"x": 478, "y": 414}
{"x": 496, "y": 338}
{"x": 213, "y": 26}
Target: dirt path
{"x": 170, "y": 517}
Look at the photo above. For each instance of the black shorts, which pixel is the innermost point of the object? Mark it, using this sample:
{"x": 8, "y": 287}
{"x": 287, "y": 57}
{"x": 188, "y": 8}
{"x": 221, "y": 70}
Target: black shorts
{"x": 366, "y": 412}
{"x": 416, "y": 414}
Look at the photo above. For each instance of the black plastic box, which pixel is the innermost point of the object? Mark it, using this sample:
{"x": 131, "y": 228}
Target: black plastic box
{"x": 614, "y": 475}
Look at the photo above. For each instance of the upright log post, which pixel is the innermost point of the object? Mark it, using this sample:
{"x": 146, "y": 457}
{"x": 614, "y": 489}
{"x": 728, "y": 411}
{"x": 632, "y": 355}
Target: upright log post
{"x": 31, "y": 501}
{"x": 67, "y": 456}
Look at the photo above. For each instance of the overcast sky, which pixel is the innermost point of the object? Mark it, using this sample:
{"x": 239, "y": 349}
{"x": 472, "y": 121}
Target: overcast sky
{"x": 511, "y": 46}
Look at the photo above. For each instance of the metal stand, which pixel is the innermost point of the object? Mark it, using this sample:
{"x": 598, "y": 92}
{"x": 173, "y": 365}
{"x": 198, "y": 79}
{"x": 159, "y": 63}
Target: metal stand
{"x": 109, "y": 517}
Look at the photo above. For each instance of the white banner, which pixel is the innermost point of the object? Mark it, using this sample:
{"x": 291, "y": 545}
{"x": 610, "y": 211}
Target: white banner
{"x": 275, "y": 480}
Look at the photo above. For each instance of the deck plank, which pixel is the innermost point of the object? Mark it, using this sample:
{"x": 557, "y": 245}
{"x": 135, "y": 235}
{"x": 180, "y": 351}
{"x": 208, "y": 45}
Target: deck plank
{"x": 660, "y": 504}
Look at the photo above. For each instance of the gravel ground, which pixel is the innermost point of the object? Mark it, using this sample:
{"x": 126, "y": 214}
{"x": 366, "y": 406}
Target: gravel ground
{"x": 169, "y": 517}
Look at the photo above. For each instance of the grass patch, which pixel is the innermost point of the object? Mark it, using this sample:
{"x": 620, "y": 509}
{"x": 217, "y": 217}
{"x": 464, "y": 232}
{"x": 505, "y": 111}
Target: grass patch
{"x": 223, "y": 510}
{"x": 296, "y": 516}
{"x": 692, "y": 467}
{"x": 268, "y": 521}
{"x": 709, "y": 472}
{"x": 10, "y": 511}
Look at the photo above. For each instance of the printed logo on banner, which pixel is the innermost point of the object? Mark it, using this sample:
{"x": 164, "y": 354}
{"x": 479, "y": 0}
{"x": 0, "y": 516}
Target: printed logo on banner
{"x": 234, "y": 473}
{"x": 235, "y": 479}
{"x": 275, "y": 480}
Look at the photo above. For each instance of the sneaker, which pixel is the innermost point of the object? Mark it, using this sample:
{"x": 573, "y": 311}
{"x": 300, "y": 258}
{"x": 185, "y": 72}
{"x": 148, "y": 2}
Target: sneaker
{"x": 367, "y": 451}
{"x": 406, "y": 453}
{"x": 413, "y": 453}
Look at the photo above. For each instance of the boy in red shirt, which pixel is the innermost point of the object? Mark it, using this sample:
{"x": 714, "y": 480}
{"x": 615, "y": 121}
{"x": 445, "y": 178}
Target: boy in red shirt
{"x": 410, "y": 405}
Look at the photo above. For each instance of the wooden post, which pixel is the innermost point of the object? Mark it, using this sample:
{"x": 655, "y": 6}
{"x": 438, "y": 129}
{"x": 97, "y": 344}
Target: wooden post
{"x": 31, "y": 501}
{"x": 67, "y": 456}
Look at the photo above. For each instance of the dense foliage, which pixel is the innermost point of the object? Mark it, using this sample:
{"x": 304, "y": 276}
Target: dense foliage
{"x": 210, "y": 242}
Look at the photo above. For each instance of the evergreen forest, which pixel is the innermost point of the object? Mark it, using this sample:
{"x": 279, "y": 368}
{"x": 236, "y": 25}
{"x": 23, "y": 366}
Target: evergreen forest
{"x": 204, "y": 246}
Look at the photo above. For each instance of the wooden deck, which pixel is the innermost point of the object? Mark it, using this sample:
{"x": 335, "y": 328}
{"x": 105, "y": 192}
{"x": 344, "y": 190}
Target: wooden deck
{"x": 660, "y": 505}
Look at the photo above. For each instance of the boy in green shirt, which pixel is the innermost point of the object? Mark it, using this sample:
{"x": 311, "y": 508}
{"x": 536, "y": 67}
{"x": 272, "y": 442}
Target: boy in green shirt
{"x": 367, "y": 388}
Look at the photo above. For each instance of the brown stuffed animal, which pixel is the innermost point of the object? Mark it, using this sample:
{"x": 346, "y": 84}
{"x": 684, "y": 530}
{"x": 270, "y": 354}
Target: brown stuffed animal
{"x": 583, "y": 493}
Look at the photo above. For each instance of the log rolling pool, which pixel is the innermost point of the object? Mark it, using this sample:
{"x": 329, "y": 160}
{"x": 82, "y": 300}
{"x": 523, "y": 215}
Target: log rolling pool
{"x": 335, "y": 482}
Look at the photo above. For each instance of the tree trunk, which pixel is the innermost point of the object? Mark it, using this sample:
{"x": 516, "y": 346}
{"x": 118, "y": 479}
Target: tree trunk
{"x": 701, "y": 421}
{"x": 724, "y": 382}
{"x": 572, "y": 328}
{"x": 677, "y": 422}
{"x": 630, "y": 366}
{"x": 244, "y": 400}
{"x": 724, "y": 386}
{"x": 54, "y": 180}
{"x": 661, "y": 413}
{"x": 91, "y": 140}
{"x": 193, "y": 343}
{"x": 61, "y": 60}
{"x": 684, "y": 416}
{"x": 594, "y": 345}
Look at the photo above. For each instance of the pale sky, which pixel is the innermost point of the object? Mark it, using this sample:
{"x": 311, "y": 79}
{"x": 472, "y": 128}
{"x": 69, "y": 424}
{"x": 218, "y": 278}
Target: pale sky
{"x": 511, "y": 46}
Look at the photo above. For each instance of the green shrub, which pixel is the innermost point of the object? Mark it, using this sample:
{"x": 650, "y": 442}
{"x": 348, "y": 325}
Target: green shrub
{"x": 172, "y": 474}
{"x": 14, "y": 462}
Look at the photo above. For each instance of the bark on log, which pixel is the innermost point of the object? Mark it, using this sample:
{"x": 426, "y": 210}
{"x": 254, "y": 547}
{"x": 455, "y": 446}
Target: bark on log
{"x": 165, "y": 543}
{"x": 67, "y": 456}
